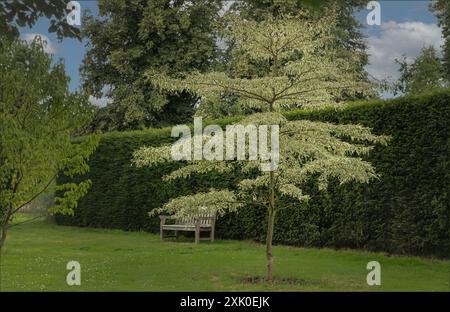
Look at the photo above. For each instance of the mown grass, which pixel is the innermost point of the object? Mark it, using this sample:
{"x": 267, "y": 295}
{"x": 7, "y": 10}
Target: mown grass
{"x": 36, "y": 254}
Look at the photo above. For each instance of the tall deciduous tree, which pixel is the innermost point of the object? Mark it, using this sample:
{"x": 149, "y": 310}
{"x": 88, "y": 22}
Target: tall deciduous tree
{"x": 426, "y": 73}
{"x": 302, "y": 70}
{"x": 38, "y": 117}
{"x": 442, "y": 10}
{"x": 129, "y": 37}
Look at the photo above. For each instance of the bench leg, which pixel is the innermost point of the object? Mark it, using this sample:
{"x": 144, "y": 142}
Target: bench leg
{"x": 211, "y": 236}
{"x": 176, "y": 234}
{"x": 197, "y": 235}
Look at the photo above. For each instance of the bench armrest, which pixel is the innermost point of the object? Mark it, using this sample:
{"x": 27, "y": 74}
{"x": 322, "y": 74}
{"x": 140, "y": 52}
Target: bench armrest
{"x": 163, "y": 219}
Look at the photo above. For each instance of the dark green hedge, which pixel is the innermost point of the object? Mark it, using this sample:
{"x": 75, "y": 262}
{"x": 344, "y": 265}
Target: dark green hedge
{"x": 406, "y": 211}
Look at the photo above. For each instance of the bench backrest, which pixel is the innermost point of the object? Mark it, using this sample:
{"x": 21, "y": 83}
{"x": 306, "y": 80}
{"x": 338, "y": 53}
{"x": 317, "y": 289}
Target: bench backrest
{"x": 190, "y": 219}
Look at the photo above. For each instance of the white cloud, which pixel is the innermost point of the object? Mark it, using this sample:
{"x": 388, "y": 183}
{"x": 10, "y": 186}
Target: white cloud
{"x": 48, "y": 46}
{"x": 99, "y": 102}
{"x": 397, "y": 39}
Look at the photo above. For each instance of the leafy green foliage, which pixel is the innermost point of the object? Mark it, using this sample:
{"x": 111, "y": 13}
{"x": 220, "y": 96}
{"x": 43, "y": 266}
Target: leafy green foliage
{"x": 21, "y": 13}
{"x": 38, "y": 118}
{"x": 405, "y": 211}
{"x": 425, "y": 74}
{"x": 347, "y": 36}
{"x": 307, "y": 149}
{"x": 261, "y": 9}
{"x": 442, "y": 10}
{"x": 300, "y": 68}
{"x": 129, "y": 37}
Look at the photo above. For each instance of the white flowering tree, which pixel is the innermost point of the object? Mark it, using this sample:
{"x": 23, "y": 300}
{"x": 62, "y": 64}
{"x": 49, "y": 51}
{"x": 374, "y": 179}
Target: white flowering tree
{"x": 302, "y": 71}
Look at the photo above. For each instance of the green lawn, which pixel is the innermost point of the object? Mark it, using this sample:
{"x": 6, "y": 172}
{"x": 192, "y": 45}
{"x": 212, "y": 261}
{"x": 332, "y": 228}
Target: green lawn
{"x": 36, "y": 255}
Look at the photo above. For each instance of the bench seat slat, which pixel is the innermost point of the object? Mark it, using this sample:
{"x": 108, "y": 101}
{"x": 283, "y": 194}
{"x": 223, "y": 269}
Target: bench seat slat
{"x": 183, "y": 227}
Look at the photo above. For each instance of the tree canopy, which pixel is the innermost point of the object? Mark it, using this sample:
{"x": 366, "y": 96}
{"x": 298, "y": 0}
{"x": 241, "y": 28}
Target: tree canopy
{"x": 298, "y": 68}
{"x": 39, "y": 117}
{"x": 347, "y": 31}
{"x": 129, "y": 37}
{"x": 426, "y": 73}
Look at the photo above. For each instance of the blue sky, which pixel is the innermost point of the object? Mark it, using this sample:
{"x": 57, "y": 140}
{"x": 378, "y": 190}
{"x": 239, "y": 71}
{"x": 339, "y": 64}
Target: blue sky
{"x": 71, "y": 51}
{"x": 406, "y": 26}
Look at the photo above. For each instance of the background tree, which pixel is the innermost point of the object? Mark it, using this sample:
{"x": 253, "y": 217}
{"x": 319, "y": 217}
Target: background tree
{"x": 260, "y": 10}
{"x": 38, "y": 117}
{"x": 21, "y": 13}
{"x": 442, "y": 10}
{"x": 130, "y": 36}
{"x": 303, "y": 71}
{"x": 426, "y": 73}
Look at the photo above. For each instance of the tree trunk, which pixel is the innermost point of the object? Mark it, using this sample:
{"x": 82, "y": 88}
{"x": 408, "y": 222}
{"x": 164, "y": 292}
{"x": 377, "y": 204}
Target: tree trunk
{"x": 270, "y": 225}
{"x": 3, "y": 238}
{"x": 5, "y": 227}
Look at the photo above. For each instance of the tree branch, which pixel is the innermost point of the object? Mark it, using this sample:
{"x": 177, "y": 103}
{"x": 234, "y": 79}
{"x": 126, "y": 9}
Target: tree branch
{"x": 26, "y": 221}
{"x": 36, "y": 195}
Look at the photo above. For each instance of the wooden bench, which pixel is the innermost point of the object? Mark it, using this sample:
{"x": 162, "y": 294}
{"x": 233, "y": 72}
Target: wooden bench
{"x": 192, "y": 223}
